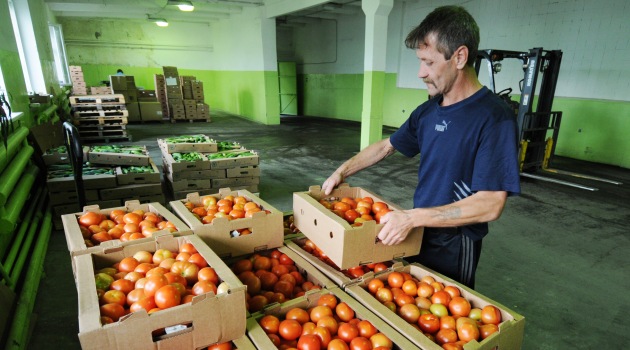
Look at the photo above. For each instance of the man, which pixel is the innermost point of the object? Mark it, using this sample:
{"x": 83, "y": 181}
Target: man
{"x": 466, "y": 137}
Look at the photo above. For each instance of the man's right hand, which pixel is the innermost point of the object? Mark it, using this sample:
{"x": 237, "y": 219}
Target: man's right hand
{"x": 333, "y": 181}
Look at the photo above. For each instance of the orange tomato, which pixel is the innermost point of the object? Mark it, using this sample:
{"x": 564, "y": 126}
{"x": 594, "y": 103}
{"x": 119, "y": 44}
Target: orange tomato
{"x": 132, "y": 218}
{"x": 90, "y": 218}
{"x": 395, "y": 279}
{"x": 112, "y": 310}
{"x": 289, "y": 329}
{"x": 167, "y": 296}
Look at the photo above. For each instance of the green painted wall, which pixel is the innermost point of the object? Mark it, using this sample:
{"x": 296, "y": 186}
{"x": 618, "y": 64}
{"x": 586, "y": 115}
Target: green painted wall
{"x": 591, "y": 130}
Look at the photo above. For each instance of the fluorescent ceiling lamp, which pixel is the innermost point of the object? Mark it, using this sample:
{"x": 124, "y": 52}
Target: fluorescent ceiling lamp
{"x": 161, "y": 22}
{"x": 183, "y": 5}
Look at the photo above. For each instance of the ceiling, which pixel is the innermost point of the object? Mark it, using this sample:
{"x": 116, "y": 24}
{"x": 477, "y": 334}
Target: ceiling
{"x": 205, "y": 10}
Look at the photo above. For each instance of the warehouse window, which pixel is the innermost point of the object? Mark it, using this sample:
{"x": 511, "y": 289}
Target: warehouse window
{"x": 4, "y": 95}
{"x": 27, "y": 46}
{"x": 59, "y": 53}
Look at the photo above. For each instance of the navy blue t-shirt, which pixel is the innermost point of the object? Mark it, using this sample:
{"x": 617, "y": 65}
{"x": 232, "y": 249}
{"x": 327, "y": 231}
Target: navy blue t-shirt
{"x": 465, "y": 147}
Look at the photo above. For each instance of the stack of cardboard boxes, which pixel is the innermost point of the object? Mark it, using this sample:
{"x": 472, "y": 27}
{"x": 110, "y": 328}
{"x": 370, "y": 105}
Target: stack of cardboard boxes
{"x": 181, "y": 97}
{"x": 78, "y": 82}
{"x": 213, "y": 168}
{"x": 125, "y": 85}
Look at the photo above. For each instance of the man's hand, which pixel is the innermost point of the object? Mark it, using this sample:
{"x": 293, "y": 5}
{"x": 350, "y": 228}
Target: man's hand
{"x": 333, "y": 181}
{"x": 397, "y": 225}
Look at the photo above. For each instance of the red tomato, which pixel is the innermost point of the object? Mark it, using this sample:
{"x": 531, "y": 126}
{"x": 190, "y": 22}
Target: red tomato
{"x": 122, "y": 285}
{"x": 441, "y": 297}
{"x": 309, "y": 342}
{"x": 112, "y": 310}
{"x": 486, "y": 330}
{"x": 154, "y": 283}
{"x": 445, "y": 335}
{"x": 323, "y": 334}
{"x": 366, "y": 329}
{"x": 202, "y": 287}
{"x": 289, "y": 329}
{"x": 337, "y": 344}
{"x": 320, "y": 311}
{"x": 429, "y": 323}
{"x": 467, "y": 329}
{"x": 381, "y": 340}
{"x": 270, "y": 324}
{"x": 490, "y": 314}
{"x": 298, "y": 314}
{"x": 221, "y": 346}
{"x": 360, "y": 343}
{"x": 459, "y": 306}
{"x": 329, "y": 300}
{"x": 347, "y": 332}
{"x": 344, "y": 312}
{"x": 90, "y": 218}
{"x": 167, "y": 296}
{"x": 395, "y": 279}
{"x": 410, "y": 313}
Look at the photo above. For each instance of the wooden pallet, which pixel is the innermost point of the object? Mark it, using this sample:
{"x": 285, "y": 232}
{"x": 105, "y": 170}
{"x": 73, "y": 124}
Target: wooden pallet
{"x": 90, "y": 107}
{"x": 93, "y": 127}
{"x": 97, "y": 99}
{"x": 101, "y": 113}
{"x": 100, "y": 121}
{"x": 102, "y": 133}
{"x": 190, "y": 120}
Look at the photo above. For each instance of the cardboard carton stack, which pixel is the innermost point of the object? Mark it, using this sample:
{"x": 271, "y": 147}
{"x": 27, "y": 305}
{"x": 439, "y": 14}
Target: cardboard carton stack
{"x": 174, "y": 96}
{"x": 182, "y": 96}
{"x": 100, "y": 90}
{"x": 125, "y": 85}
{"x": 199, "y": 164}
{"x": 160, "y": 94}
{"x": 100, "y": 118}
{"x": 150, "y": 108}
{"x": 78, "y": 82}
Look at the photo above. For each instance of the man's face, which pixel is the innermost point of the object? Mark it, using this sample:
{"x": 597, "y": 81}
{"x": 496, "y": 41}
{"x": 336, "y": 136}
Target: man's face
{"x": 438, "y": 73}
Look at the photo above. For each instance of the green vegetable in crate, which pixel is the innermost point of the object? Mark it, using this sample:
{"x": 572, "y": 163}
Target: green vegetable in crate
{"x": 227, "y": 145}
{"x": 233, "y": 154}
{"x": 187, "y": 157}
{"x": 137, "y": 170}
{"x": 65, "y": 170}
{"x": 187, "y": 139}
{"x": 118, "y": 149}
{"x": 60, "y": 149}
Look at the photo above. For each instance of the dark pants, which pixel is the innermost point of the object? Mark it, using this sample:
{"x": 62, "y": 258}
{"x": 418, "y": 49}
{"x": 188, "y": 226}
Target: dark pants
{"x": 450, "y": 253}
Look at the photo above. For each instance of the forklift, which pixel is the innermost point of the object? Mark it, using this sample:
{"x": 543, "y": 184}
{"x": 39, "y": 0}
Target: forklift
{"x": 537, "y": 130}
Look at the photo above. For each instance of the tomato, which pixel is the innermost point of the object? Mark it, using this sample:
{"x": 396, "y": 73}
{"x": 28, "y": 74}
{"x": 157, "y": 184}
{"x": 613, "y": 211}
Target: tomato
{"x": 202, "y": 287}
{"x": 154, "y": 283}
{"x": 285, "y": 260}
{"x": 320, "y": 311}
{"x": 298, "y": 314}
{"x": 490, "y": 314}
{"x": 337, "y": 344}
{"x": 453, "y": 291}
{"x": 284, "y": 287}
{"x": 356, "y": 272}
{"x": 186, "y": 269}
{"x": 351, "y": 215}
{"x": 308, "y": 328}
{"x": 452, "y": 346}
{"x": 329, "y": 300}
{"x": 114, "y": 213}
{"x": 289, "y": 329}
{"x": 128, "y": 264}
{"x": 384, "y": 294}
{"x": 330, "y": 323}
{"x": 135, "y": 295}
{"x": 395, "y": 279}
{"x": 446, "y": 335}
{"x": 208, "y": 274}
{"x": 410, "y": 287}
{"x": 347, "y": 332}
{"x": 221, "y": 346}
{"x": 344, "y": 312}
{"x": 123, "y": 285}
{"x": 132, "y": 218}
{"x": 429, "y": 323}
{"x": 459, "y": 306}
{"x": 270, "y": 324}
{"x": 100, "y": 237}
{"x": 366, "y": 329}
{"x": 381, "y": 340}
{"x": 143, "y": 256}
{"x": 378, "y": 267}
{"x": 323, "y": 334}
{"x": 309, "y": 342}
{"x": 198, "y": 260}
{"x": 275, "y": 339}
{"x": 257, "y": 302}
{"x": 360, "y": 343}
{"x": 162, "y": 254}
{"x": 441, "y": 297}
{"x": 90, "y": 218}
{"x": 409, "y": 313}
{"x": 438, "y": 309}
{"x": 447, "y": 322}
{"x": 112, "y": 310}
{"x": 424, "y": 290}
{"x": 374, "y": 285}
{"x": 475, "y": 314}
{"x": 467, "y": 329}
{"x": 147, "y": 304}
{"x": 167, "y": 296}
{"x": 103, "y": 280}
{"x": 114, "y": 296}
{"x": 486, "y": 330}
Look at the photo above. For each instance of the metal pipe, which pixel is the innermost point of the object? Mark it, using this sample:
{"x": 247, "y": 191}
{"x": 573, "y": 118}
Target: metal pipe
{"x": 14, "y": 142}
{"x": 47, "y": 114}
{"x": 18, "y": 335}
{"x": 11, "y": 211}
{"x": 12, "y": 174}
{"x": 19, "y": 236}
{"x": 18, "y": 253}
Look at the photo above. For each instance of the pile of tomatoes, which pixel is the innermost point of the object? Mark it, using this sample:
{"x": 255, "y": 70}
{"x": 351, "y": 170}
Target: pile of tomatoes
{"x": 356, "y": 210}
{"x": 353, "y": 272}
{"x": 289, "y": 225}
{"x": 270, "y": 276}
{"x": 229, "y": 207}
{"x": 438, "y": 311}
{"x": 120, "y": 224}
{"x": 154, "y": 281}
{"x": 330, "y": 324}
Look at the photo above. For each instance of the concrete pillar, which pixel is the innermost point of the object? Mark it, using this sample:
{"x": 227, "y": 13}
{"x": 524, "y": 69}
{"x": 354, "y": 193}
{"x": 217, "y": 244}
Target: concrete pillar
{"x": 376, "y": 17}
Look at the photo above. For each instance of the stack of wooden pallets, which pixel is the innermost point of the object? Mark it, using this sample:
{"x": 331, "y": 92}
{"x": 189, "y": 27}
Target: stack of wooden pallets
{"x": 100, "y": 118}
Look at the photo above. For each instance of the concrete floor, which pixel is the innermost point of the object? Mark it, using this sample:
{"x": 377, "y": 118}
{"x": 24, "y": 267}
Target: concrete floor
{"x": 557, "y": 255}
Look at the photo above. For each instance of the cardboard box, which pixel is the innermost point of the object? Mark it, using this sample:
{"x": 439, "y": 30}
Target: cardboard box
{"x": 90, "y": 182}
{"x": 511, "y": 330}
{"x": 262, "y": 341}
{"x": 100, "y": 90}
{"x": 48, "y": 135}
{"x": 157, "y": 198}
{"x": 267, "y": 228}
{"x": 183, "y": 194}
{"x": 244, "y": 171}
{"x": 190, "y": 185}
{"x": 118, "y": 83}
{"x": 131, "y": 191}
{"x": 150, "y": 111}
{"x": 348, "y": 246}
{"x": 336, "y": 275}
{"x": 138, "y": 178}
{"x": 209, "y": 319}
{"x": 64, "y": 209}
{"x": 134, "y": 112}
{"x": 228, "y": 163}
{"x": 69, "y": 197}
{"x": 235, "y": 181}
{"x": 194, "y": 174}
{"x": 172, "y": 166}
{"x": 209, "y": 146}
{"x": 110, "y": 158}
{"x": 74, "y": 238}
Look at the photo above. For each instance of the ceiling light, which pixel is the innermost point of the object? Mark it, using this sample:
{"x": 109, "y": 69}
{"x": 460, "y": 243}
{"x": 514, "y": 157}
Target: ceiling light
{"x": 161, "y": 22}
{"x": 183, "y": 5}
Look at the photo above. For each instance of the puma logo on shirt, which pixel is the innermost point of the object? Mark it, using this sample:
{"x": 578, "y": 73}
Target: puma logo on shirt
{"x": 442, "y": 127}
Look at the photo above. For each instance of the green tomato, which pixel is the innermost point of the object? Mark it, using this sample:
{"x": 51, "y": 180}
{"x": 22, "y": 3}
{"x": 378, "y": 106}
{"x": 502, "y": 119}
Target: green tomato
{"x": 438, "y": 310}
{"x": 103, "y": 280}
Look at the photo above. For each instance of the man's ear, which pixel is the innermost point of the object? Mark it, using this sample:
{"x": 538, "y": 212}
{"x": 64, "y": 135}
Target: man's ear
{"x": 461, "y": 56}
